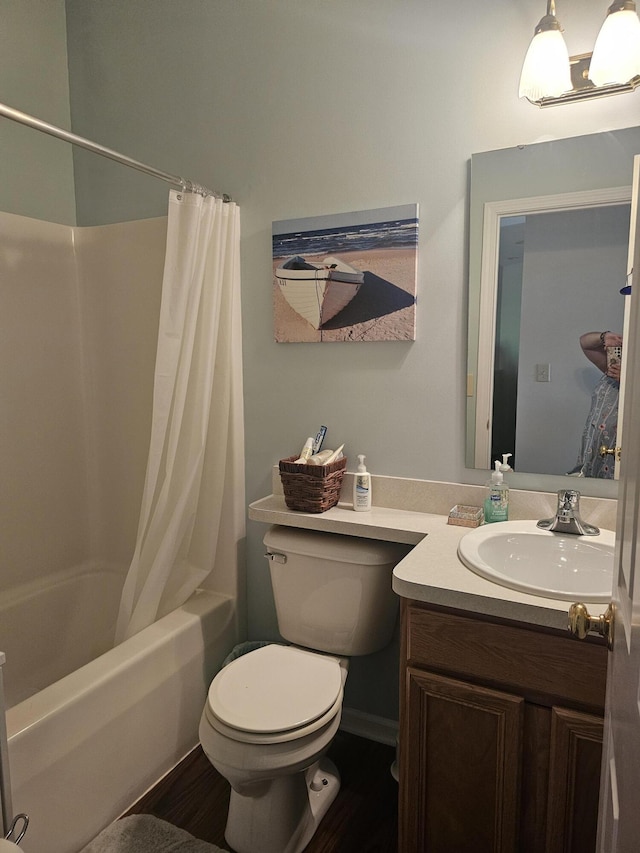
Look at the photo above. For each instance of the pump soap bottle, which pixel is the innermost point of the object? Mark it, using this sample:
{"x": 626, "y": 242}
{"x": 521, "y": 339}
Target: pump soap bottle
{"x": 362, "y": 487}
{"x": 496, "y": 504}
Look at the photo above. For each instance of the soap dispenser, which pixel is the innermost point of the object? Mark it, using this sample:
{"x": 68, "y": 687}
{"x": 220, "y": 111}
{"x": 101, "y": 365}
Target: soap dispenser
{"x": 496, "y": 504}
{"x": 362, "y": 487}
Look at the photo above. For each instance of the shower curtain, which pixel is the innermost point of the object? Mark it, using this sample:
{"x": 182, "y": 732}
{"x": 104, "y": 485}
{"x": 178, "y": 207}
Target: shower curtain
{"x": 193, "y": 511}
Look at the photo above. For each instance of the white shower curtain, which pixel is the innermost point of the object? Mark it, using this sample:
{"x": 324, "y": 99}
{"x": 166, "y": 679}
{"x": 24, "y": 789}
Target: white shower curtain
{"x": 192, "y": 512}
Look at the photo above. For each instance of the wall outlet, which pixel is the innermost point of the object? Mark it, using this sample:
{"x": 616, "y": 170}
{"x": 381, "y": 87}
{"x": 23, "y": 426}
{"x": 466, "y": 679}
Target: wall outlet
{"x": 543, "y": 373}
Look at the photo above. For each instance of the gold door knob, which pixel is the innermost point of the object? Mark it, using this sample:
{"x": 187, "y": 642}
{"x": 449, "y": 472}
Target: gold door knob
{"x": 610, "y": 451}
{"x": 581, "y": 623}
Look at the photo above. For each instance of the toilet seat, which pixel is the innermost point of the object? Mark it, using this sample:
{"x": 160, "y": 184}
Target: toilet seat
{"x": 277, "y": 737}
{"x": 275, "y": 693}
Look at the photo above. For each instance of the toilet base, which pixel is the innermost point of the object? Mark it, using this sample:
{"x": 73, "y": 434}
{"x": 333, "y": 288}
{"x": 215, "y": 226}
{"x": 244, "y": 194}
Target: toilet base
{"x": 282, "y": 815}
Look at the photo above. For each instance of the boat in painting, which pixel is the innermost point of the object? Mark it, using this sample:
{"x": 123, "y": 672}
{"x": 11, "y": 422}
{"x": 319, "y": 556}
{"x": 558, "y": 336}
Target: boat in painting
{"x": 318, "y": 291}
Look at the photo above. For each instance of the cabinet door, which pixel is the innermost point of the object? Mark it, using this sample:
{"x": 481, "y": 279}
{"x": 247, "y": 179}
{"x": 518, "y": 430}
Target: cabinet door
{"x": 576, "y": 751}
{"x": 460, "y": 767}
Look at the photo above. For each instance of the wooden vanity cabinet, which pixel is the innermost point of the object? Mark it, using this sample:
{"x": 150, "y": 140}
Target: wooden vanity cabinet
{"x": 500, "y": 735}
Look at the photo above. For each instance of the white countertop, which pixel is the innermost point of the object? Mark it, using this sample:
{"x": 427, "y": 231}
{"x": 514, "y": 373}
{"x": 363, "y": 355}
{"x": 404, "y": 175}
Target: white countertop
{"x": 390, "y": 525}
{"x": 432, "y": 571}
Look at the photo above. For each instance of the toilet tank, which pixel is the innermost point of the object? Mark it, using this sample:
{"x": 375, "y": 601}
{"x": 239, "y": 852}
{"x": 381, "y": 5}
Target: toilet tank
{"x": 333, "y": 592}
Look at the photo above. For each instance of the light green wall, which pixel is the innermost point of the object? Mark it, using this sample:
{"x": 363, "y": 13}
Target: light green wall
{"x": 303, "y": 108}
{"x": 37, "y": 170}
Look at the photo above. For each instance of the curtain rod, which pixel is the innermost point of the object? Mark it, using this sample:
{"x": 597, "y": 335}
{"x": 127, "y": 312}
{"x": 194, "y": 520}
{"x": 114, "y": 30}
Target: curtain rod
{"x": 43, "y": 126}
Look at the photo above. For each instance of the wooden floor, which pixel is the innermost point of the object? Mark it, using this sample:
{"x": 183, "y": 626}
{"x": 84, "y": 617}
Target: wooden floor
{"x": 363, "y": 817}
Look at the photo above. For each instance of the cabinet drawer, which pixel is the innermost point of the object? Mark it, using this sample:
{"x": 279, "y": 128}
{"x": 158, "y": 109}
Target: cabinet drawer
{"x": 544, "y": 667}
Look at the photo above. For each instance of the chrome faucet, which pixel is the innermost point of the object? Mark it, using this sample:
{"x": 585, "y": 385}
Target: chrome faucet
{"x": 567, "y": 518}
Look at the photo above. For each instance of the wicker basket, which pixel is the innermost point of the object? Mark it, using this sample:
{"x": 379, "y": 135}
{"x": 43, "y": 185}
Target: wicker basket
{"x": 311, "y": 488}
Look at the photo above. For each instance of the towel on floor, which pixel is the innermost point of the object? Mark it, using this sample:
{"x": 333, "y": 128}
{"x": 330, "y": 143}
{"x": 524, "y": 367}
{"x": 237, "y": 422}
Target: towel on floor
{"x": 143, "y": 833}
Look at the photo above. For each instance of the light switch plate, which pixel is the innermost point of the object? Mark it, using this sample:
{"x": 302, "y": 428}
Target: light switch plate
{"x": 543, "y": 373}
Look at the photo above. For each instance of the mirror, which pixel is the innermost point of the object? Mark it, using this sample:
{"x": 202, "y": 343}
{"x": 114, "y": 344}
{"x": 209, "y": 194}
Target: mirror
{"x": 548, "y": 245}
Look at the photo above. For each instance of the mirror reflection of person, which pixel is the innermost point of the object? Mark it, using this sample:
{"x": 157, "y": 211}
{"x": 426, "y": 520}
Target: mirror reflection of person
{"x": 602, "y": 421}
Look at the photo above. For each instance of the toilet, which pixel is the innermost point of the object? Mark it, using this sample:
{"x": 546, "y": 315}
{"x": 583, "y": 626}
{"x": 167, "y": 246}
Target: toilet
{"x": 272, "y": 713}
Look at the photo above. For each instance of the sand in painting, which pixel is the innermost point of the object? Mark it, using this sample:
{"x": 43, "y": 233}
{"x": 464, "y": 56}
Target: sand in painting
{"x": 383, "y": 309}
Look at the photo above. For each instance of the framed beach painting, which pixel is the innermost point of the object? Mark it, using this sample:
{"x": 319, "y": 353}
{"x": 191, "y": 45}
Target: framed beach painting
{"x": 346, "y": 276}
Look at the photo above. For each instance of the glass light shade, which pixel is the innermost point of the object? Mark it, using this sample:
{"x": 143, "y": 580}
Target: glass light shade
{"x": 616, "y": 55}
{"x": 545, "y": 72}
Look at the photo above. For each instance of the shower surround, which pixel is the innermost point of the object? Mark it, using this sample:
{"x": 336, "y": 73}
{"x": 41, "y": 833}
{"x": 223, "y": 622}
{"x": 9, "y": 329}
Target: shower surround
{"x": 78, "y": 335}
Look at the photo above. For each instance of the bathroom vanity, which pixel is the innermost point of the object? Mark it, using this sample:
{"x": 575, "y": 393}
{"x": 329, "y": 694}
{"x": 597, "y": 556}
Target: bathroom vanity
{"x": 500, "y": 733}
{"x": 501, "y": 709}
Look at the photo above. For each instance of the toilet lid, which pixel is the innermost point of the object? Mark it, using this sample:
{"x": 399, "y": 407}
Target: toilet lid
{"x": 274, "y": 689}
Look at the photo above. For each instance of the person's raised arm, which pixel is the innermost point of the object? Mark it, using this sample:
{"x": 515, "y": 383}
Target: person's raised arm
{"x": 594, "y": 346}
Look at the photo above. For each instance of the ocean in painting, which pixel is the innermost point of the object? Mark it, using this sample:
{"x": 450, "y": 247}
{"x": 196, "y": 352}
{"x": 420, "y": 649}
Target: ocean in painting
{"x": 394, "y": 234}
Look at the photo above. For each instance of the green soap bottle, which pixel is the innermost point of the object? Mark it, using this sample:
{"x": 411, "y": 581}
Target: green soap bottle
{"x": 496, "y": 504}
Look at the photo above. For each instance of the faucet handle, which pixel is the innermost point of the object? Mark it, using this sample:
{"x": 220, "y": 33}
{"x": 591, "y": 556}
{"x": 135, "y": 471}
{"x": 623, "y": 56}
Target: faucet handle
{"x": 568, "y": 499}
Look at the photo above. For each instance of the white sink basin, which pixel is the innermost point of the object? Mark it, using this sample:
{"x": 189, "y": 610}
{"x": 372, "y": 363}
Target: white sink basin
{"x": 519, "y": 555}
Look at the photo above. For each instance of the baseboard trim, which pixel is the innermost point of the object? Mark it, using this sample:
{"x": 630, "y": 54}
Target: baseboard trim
{"x": 370, "y": 726}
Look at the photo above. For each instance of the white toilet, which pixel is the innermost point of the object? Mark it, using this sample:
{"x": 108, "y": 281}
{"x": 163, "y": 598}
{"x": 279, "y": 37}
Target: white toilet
{"x": 272, "y": 713}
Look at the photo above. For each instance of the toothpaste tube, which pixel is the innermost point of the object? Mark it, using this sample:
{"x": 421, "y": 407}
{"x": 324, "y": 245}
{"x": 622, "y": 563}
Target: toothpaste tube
{"x": 317, "y": 444}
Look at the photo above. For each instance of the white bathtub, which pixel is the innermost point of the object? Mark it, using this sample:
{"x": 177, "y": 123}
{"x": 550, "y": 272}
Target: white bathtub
{"x": 85, "y": 747}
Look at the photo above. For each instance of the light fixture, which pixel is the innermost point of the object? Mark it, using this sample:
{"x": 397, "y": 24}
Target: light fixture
{"x": 550, "y": 76}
